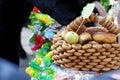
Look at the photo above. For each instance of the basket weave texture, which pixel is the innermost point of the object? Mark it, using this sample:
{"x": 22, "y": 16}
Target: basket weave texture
{"x": 92, "y": 56}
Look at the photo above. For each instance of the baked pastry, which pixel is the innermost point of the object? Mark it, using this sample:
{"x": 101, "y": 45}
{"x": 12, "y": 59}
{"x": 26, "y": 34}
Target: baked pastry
{"x": 93, "y": 30}
{"x": 103, "y": 37}
{"x": 85, "y": 37}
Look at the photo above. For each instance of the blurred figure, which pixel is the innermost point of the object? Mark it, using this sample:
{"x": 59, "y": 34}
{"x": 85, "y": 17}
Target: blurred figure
{"x": 10, "y": 71}
{"x": 11, "y": 22}
{"x": 12, "y": 18}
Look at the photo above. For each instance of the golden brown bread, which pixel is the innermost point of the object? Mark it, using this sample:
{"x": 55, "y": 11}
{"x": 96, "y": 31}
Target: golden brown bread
{"x": 85, "y": 37}
{"x": 103, "y": 37}
{"x": 93, "y": 30}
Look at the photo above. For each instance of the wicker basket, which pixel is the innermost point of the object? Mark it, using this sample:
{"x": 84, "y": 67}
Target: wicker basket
{"x": 92, "y": 56}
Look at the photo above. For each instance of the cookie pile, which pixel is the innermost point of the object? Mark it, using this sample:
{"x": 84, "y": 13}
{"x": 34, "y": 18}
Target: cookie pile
{"x": 91, "y": 56}
{"x": 100, "y": 53}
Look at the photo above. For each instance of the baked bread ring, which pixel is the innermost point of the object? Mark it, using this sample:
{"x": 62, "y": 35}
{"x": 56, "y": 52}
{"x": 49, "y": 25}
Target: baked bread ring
{"x": 79, "y": 20}
{"x": 107, "y": 46}
{"x": 103, "y": 63}
{"x": 56, "y": 62}
{"x": 112, "y": 28}
{"x": 77, "y": 54}
{"x": 82, "y": 63}
{"x": 101, "y": 50}
{"x": 111, "y": 49}
{"x": 55, "y": 39}
{"x": 68, "y": 66}
{"x": 106, "y": 69}
{"x": 97, "y": 46}
{"x": 55, "y": 52}
{"x": 75, "y": 25}
{"x": 81, "y": 51}
{"x": 101, "y": 57}
{"x": 116, "y": 58}
{"x": 60, "y": 42}
{"x": 102, "y": 20}
{"x": 108, "y": 24}
{"x": 91, "y": 50}
{"x": 105, "y": 23}
{"x": 53, "y": 47}
{"x": 115, "y": 52}
{"x": 92, "y": 17}
{"x": 72, "y": 57}
{"x": 107, "y": 60}
{"x": 113, "y": 62}
{"x": 100, "y": 66}
{"x": 87, "y": 54}
{"x": 60, "y": 49}
{"x": 86, "y": 60}
{"x": 87, "y": 20}
{"x": 96, "y": 60}
{"x": 77, "y": 66}
{"x": 55, "y": 57}
{"x": 82, "y": 58}
{"x": 76, "y": 46}
{"x": 70, "y": 27}
{"x": 118, "y": 55}
{"x": 76, "y": 61}
{"x": 61, "y": 55}
{"x": 115, "y": 67}
{"x": 112, "y": 25}
{"x": 92, "y": 57}
{"x": 109, "y": 65}
{"x": 116, "y": 45}
{"x": 118, "y": 63}
{"x": 85, "y": 69}
{"x": 92, "y": 64}
{"x": 105, "y": 53}
{"x": 95, "y": 69}
{"x": 112, "y": 55}
{"x": 67, "y": 54}
{"x": 116, "y": 31}
{"x": 66, "y": 46}
{"x": 73, "y": 68}
{"x": 72, "y": 64}
{"x": 66, "y": 60}
{"x": 96, "y": 54}
{"x": 71, "y": 51}
{"x": 62, "y": 66}
{"x": 96, "y": 18}
{"x": 88, "y": 66}
{"x": 118, "y": 48}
